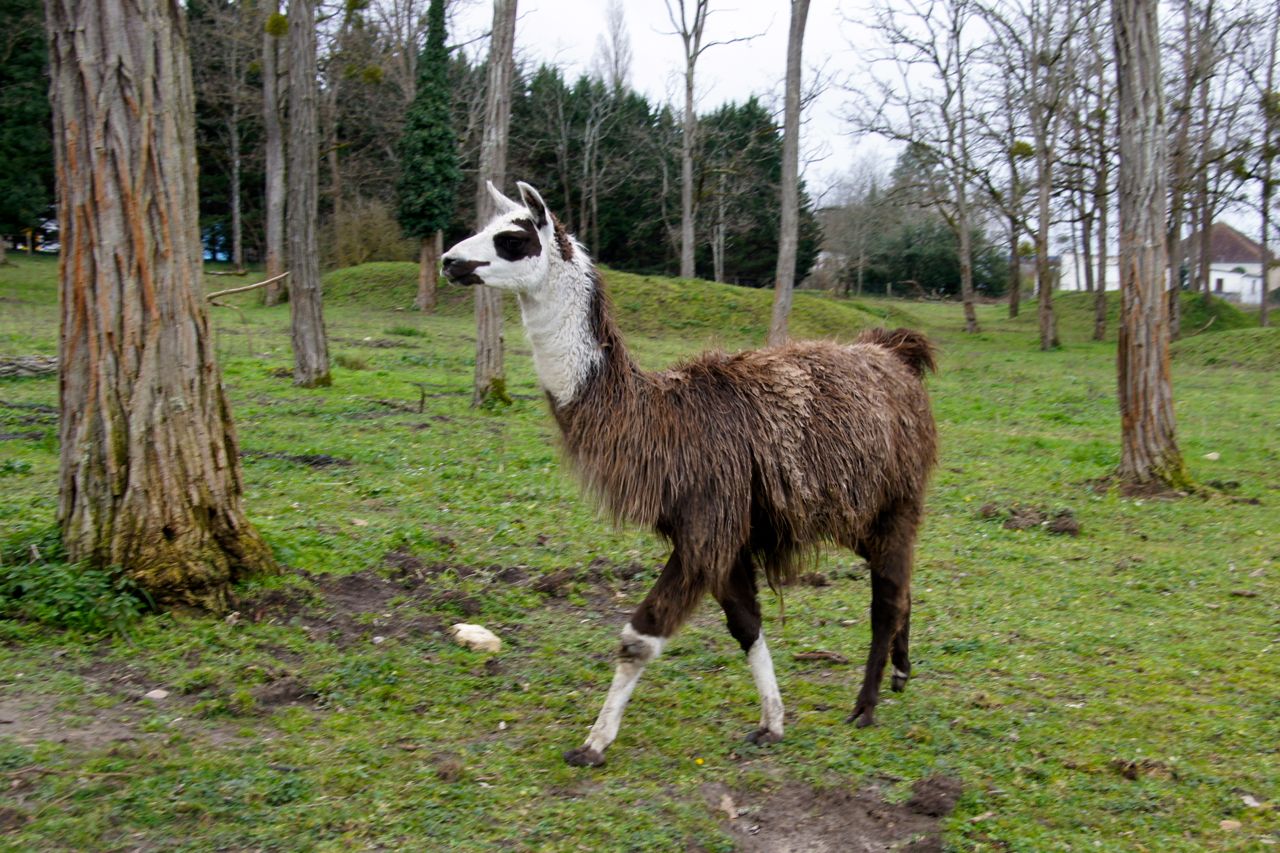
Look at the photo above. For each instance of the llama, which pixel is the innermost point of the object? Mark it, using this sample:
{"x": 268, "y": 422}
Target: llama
{"x": 742, "y": 462}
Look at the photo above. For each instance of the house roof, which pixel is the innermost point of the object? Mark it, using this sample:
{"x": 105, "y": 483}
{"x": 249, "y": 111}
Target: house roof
{"x": 1226, "y": 246}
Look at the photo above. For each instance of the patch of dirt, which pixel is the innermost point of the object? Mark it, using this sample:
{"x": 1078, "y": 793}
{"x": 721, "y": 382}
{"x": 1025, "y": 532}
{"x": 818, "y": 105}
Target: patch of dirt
{"x": 801, "y": 819}
{"x": 348, "y": 608}
{"x": 1062, "y": 522}
{"x": 12, "y": 819}
{"x": 283, "y": 691}
{"x": 311, "y": 460}
{"x": 21, "y": 436}
{"x": 30, "y": 718}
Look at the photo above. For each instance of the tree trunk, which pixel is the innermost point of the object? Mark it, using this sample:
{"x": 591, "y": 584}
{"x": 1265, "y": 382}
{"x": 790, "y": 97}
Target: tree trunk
{"x": 1015, "y": 268}
{"x": 1149, "y": 449}
{"x": 789, "y": 226}
{"x": 490, "y": 382}
{"x": 4, "y": 248}
{"x": 274, "y": 293}
{"x": 1100, "y": 295}
{"x": 687, "y": 140}
{"x": 1044, "y": 276}
{"x": 237, "y": 229}
{"x": 1270, "y": 114}
{"x": 310, "y": 346}
{"x": 149, "y": 476}
{"x": 965, "y": 236}
{"x": 430, "y": 249}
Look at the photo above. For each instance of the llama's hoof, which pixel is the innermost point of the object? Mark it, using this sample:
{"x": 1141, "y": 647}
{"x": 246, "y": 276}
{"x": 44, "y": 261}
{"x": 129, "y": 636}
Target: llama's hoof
{"x": 899, "y": 683}
{"x": 861, "y": 718}
{"x": 763, "y": 737}
{"x": 584, "y": 756}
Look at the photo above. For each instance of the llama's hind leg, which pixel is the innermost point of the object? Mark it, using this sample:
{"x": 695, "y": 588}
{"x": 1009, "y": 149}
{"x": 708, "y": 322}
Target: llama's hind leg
{"x": 663, "y": 610}
{"x": 901, "y": 651}
{"x": 890, "y": 597}
{"x": 742, "y": 612}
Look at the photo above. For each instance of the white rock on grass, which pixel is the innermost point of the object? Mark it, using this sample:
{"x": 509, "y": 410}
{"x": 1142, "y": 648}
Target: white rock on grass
{"x": 475, "y": 637}
{"x": 158, "y": 694}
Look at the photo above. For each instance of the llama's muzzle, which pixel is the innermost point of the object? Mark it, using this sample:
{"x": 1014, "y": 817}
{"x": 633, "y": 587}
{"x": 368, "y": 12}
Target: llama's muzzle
{"x": 463, "y": 272}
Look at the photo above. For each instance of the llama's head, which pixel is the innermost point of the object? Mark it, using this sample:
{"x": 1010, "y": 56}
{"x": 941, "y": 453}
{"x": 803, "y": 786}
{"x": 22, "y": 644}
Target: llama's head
{"x": 512, "y": 252}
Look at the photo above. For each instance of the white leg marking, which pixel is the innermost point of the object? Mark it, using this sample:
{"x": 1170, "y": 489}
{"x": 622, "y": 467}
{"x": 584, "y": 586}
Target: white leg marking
{"x": 766, "y": 686}
{"x": 637, "y": 650}
{"x": 897, "y": 673}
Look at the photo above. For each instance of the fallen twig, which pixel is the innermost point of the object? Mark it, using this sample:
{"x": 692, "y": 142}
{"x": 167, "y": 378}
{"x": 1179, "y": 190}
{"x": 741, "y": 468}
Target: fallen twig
{"x": 272, "y": 280}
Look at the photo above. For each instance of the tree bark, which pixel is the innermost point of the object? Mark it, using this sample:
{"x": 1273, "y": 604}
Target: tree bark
{"x": 1015, "y": 268}
{"x": 1270, "y": 116}
{"x": 789, "y": 227}
{"x": 310, "y": 346}
{"x": 237, "y": 227}
{"x": 429, "y": 251}
{"x": 1044, "y": 275}
{"x": 1100, "y": 295}
{"x": 490, "y": 382}
{"x": 273, "y": 294}
{"x": 149, "y": 477}
{"x": 1149, "y": 449}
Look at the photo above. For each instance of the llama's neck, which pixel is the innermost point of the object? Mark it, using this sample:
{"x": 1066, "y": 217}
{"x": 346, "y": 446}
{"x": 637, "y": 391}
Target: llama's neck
{"x": 564, "y": 329}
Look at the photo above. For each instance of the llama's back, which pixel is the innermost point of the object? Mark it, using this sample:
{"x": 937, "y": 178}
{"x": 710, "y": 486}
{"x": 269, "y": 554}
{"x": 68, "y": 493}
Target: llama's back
{"x": 789, "y": 446}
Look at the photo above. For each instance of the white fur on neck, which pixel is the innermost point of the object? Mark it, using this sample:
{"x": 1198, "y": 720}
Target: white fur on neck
{"x": 557, "y": 321}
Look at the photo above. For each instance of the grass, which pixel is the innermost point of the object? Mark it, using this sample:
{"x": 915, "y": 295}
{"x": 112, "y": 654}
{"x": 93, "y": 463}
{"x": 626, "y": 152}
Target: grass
{"x": 1111, "y": 691}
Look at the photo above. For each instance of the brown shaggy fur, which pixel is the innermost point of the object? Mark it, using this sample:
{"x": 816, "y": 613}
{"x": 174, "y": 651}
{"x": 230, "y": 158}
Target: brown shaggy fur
{"x": 749, "y": 460}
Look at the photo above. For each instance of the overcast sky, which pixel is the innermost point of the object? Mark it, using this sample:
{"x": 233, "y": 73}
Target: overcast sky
{"x": 564, "y": 33}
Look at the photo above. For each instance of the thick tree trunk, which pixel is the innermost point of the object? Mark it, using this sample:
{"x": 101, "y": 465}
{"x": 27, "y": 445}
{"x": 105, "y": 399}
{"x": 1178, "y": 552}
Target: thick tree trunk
{"x": 310, "y": 346}
{"x": 274, "y": 293}
{"x": 490, "y": 382}
{"x": 4, "y": 248}
{"x": 1149, "y": 449}
{"x": 789, "y": 225}
{"x": 149, "y": 477}
{"x": 429, "y": 251}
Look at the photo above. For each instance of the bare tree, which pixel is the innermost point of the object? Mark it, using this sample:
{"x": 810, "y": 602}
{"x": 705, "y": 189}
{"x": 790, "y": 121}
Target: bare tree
{"x": 274, "y": 28}
{"x": 690, "y": 24}
{"x": 789, "y": 225}
{"x": 150, "y": 477}
{"x": 1268, "y": 101}
{"x": 490, "y": 383}
{"x": 929, "y": 39}
{"x": 1149, "y": 449}
{"x": 612, "y": 60}
{"x": 310, "y": 346}
{"x": 1036, "y": 38}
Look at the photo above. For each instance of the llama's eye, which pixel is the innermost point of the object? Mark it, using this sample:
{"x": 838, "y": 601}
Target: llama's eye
{"x": 508, "y": 242}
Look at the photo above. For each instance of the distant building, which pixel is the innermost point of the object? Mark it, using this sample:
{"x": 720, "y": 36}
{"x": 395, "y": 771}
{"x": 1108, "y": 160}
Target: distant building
{"x": 1235, "y": 266}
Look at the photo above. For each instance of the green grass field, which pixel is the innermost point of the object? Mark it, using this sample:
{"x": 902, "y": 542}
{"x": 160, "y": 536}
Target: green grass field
{"x": 1117, "y": 690}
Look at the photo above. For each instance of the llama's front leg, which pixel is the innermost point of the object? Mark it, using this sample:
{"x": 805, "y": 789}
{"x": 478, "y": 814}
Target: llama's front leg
{"x": 742, "y": 613}
{"x": 636, "y": 652}
{"x": 663, "y": 610}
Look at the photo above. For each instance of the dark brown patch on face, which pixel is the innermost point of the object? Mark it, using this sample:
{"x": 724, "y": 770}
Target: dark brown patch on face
{"x": 520, "y": 244}
{"x": 563, "y": 241}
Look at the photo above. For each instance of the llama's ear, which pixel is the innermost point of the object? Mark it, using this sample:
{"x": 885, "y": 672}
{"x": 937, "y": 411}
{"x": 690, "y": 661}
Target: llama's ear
{"x": 505, "y": 205}
{"x": 534, "y": 202}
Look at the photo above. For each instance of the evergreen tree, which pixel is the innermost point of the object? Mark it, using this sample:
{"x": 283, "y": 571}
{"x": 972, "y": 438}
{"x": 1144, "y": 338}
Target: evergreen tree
{"x": 26, "y": 155}
{"x": 429, "y": 175}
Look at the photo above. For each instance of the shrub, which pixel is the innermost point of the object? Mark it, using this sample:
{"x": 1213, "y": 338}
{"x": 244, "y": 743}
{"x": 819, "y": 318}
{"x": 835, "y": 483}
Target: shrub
{"x": 38, "y": 585}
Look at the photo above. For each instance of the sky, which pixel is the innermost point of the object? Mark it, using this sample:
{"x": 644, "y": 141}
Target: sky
{"x": 565, "y": 32}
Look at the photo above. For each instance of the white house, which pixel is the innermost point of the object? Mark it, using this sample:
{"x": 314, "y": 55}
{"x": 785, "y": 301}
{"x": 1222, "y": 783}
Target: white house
{"x": 1235, "y": 267}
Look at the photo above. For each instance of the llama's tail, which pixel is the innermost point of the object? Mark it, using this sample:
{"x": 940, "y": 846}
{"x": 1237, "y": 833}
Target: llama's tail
{"x": 912, "y": 347}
